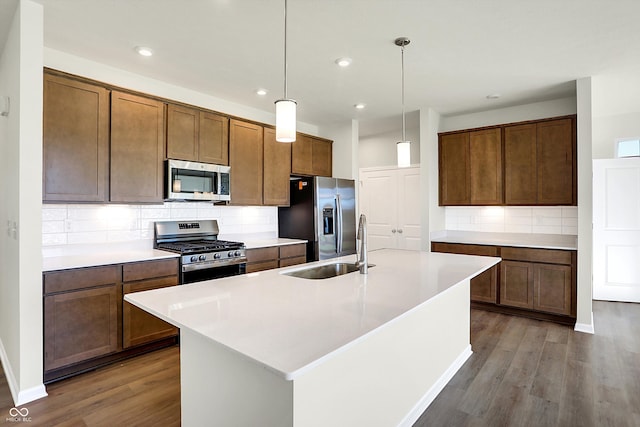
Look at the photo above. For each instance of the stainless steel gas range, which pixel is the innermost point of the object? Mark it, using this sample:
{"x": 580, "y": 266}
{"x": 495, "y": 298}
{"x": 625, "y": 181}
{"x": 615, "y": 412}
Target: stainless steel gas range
{"x": 203, "y": 255}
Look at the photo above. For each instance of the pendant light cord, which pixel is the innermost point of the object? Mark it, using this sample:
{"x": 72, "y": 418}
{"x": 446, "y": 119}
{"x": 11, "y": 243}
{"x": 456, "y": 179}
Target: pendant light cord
{"x": 403, "y": 120}
{"x": 285, "y": 49}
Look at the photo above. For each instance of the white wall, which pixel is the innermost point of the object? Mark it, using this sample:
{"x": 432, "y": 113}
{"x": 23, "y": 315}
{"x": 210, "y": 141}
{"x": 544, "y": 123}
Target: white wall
{"x": 345, "y": 148}
{"x": 534, "y": 111}
{"x": 432, "y": 215}
{"x": 21, "y": 195}
{"x": 379, "y": 148}
{"x": 616, "y": 110}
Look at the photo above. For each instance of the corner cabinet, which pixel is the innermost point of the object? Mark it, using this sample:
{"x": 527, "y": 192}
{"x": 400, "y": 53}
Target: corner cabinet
{"x": 75, "y": 141}
{"x": 137, "y": 148}
{"x": 246, "y": 161}
{"x": 197, "y": 135}
{"x": 311, "y": 156}
{"x": 530, "y": 282}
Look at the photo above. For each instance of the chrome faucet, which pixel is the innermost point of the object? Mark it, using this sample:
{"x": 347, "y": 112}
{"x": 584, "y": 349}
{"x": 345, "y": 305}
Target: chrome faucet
{"x": 361, "y": 260}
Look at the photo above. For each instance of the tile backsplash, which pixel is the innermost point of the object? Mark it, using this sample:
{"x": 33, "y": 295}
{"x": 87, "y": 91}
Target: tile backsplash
{"x": 514, "y": 219}
{"x": 81, "y": 224}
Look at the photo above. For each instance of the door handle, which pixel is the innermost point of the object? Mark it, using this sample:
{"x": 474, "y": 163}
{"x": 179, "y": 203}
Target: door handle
{"x": 393, "y": 230}
{"x": 399, "y": 230}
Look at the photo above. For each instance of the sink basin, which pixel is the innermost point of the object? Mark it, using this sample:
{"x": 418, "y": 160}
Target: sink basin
{"x": 325, "y": 271}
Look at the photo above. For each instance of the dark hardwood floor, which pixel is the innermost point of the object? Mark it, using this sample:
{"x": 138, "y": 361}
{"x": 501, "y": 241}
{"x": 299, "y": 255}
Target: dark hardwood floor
{"x": 523, "y": 373}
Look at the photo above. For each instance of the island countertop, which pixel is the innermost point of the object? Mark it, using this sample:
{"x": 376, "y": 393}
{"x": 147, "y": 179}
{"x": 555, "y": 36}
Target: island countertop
{"x": 289, "y": 324}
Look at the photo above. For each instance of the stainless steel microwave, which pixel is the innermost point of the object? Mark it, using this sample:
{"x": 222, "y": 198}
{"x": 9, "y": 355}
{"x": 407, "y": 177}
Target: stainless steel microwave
{"x": 197, "y": 181}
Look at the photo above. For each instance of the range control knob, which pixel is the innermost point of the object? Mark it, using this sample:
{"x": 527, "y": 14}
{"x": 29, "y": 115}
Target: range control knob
{"x": 202, "y": 258}
{"x": 237, "y": 253}
{"x": 194, "y": 258}
{"x": 216, "y": 255}
{"x": 230, "y": 254}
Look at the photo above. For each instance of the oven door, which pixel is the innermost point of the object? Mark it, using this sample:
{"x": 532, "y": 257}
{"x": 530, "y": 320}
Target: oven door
{"x": 208, "y": 271}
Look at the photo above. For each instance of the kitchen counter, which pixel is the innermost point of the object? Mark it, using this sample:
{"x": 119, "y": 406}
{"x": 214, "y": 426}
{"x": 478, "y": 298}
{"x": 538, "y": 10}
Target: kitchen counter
{"x": 527, "y": 240}
{"x": 77, "y": 256}
{"x": 269, "y": 330}
{"x": 265, "y": 243}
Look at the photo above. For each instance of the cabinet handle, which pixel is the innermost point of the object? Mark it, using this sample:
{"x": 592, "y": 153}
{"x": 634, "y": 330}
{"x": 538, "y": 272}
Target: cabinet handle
{"x": 393, "y": 230}
{"x": 400, "y": 230}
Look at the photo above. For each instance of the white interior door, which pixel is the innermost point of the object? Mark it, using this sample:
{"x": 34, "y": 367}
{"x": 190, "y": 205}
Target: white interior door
{"x": 409, "y": 209}
{"x": 616, "y": 229}
{"x": 377, "y": 197}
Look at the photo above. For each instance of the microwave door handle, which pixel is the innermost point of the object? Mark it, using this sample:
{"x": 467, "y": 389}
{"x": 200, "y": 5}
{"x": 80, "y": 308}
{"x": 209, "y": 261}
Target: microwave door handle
{"x": 338, "y": 224}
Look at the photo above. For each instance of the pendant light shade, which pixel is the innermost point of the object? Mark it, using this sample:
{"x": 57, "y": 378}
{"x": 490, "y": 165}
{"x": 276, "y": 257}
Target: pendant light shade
{"x": 285, "y": 120}
{"x": 403, "y": 147}
{"x": 285, "y": 108}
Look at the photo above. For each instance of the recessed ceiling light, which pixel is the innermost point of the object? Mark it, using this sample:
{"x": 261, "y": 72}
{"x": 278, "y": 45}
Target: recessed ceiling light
{"x": 344, "y": 62}
{"x": 261, "y": 92}
{"x": 493, "y": 96}
{"x": 144, "y": 51}
{"x": 360, "y": 106}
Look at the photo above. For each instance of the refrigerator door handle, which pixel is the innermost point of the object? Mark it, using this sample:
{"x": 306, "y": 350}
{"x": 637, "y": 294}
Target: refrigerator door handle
{"x": 338, "y": 225}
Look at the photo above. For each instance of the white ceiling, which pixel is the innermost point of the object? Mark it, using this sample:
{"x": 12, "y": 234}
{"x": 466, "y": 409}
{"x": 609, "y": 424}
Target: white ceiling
{"x": 460, "y": 51}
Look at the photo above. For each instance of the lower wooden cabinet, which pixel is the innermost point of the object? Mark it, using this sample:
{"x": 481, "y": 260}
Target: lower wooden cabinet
{"x": 539, "y": 283}
{"x": 138, "y": 326}
{"x": 259, "y": 259}
{"x": 87, "y": 323}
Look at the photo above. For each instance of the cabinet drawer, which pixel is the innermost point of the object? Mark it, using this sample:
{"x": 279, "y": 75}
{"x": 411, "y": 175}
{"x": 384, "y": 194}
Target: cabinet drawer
{"x": 80, "y": 278}
{"x": 149, "y": 269}
{"x": 289, "y": 251}
{"x": 262, "y": 254}
{"x": 260, "y": 266}
{"x": 464, "y": 249}
{"x": 286, "y": 262}
{"x": 549, "y": 256}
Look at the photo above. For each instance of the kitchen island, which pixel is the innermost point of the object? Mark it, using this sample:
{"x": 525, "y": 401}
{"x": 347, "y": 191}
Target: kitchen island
{"x": 270, "y": 349}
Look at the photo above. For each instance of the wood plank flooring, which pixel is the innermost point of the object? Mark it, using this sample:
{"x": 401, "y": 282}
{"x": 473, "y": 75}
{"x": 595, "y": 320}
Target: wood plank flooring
{"x": 523, "y": 373}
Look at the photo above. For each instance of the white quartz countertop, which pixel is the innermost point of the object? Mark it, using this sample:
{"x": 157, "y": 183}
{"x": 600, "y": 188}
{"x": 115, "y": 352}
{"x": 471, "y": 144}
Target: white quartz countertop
{"x": 78, "y": 256}
{"x": 545, "y": 241}
{"x": 265, "y": 243}
{"x": 290, "y": 324}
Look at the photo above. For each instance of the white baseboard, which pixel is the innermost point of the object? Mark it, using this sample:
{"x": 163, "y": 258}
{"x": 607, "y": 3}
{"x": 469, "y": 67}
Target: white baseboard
{"x": 435, "y": 390}
{"x": 20, "y": 397}
{"x": 587, "y": 328}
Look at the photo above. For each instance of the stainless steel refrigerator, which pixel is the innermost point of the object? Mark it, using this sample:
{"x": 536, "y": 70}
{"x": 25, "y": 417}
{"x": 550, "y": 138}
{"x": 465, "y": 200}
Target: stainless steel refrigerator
{"x": 322, "y": 211}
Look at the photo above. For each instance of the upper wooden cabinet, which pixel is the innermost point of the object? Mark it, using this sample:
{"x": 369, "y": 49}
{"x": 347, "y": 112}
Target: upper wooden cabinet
{"x": 137, "y": 148}
{"x": 197, "y": 135}
{"x": 540, "y": 163}
{"x": 246, "y": 161}
{"x": 75, "y": 140}
{"x": 471, "y": 168}
{"x": 311, "y": 156}
{"x": 277, "y": 169}
{"x": 532, "y": 163}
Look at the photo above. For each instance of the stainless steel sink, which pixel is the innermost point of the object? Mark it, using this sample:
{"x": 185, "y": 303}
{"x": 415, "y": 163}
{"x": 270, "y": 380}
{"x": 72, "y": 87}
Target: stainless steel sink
{"x": 325, "y": 271}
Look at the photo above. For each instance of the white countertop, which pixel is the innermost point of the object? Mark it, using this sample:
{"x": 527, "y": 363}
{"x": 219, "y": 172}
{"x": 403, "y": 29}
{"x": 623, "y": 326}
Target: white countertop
{"x": 265, "y": 243}
{"x": 290, "y": 324}
{"x": 545, "y": 241}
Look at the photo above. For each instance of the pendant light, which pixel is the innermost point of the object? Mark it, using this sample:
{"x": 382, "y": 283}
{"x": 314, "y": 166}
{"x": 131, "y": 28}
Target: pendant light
{"x": 285, "y": 108}
{"x": 403, "y": 147}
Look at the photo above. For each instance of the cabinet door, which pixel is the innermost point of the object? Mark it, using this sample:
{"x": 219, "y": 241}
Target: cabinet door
{"x": 260, "y": 259}
{"x": 182, "y": 132}
{"x": 516, "y": 284}
{"x": 485, "y": 167}
{"x": 138, "y": 326}
{"x": 246, "y": 161}
{"x": 277, "y": 169}
{"x": 552, "y": 288}
{"x": 376, "y": 189}
{"x": 407, "y": 191}
{"x": 321, "y": 161}
{"x": 80, "y": 325}
{"x": 520, "y": 171}
{"x": 214, "y": 139}
{"x": 555, "y": 170}
{"x": 301, "y": 155}
{"x": 453, "y": 153}
{"x": 137, "y": 148}
{"x": 75, "y": 140}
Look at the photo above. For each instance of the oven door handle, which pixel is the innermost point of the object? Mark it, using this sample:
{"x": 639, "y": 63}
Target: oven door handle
{"x": 213, "y": 264}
